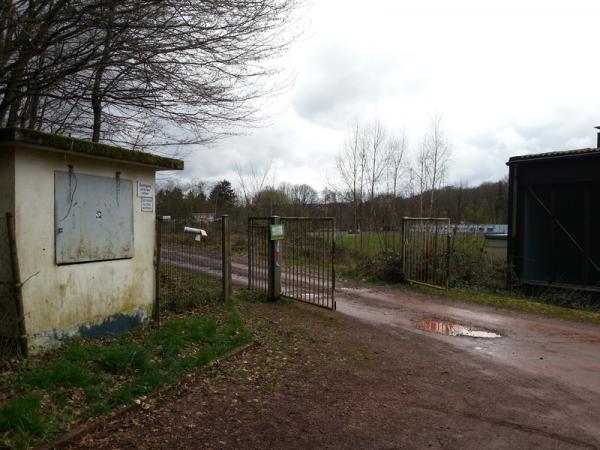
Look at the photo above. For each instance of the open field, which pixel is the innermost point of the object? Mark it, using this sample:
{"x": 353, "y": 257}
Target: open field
{"x": 369, "y": 244}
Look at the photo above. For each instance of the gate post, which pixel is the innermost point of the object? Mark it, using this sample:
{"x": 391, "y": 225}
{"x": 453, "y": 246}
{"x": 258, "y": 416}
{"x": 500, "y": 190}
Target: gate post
{"x": 274, "y": 262}
{"x": 226, "y": 257}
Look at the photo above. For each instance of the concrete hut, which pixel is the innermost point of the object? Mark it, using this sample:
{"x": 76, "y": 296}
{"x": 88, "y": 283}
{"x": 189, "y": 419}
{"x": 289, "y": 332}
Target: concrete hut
{"x": 84, "y": 234}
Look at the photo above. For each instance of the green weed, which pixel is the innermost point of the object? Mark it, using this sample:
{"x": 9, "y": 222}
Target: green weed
{"x": 124, "y": 358}
{"x": 22, "y": 414}
{"x": 61, "y": 373}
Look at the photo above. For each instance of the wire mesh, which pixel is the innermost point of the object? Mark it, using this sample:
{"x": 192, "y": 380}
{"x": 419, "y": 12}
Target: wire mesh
{"x": 8, "y": 312}
{"x": 426, "y": 251}
{"x": 191, "y": 262}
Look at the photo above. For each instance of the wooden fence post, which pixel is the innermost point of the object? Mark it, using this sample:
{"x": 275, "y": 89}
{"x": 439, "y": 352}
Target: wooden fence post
{"x": 14, "y": 257}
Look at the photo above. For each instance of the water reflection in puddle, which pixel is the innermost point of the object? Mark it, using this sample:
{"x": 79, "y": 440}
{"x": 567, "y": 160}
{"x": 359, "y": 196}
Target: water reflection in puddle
{"x": 453, "y": 329}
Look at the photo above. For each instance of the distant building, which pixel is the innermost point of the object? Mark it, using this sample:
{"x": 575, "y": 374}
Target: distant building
{"x": 481, "y": 228}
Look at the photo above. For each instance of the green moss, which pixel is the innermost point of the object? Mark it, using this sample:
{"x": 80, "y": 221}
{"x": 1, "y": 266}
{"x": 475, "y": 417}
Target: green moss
{"x": 54, "y": 141}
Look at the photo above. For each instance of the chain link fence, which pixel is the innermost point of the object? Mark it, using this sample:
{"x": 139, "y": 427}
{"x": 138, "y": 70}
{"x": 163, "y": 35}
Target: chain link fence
{"x": 193, "y": 264}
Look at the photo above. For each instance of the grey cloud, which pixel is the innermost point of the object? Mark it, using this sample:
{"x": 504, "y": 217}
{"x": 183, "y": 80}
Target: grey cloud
{"x": 561, "y": 133}
{"x": 483, "y": 156}
{"x": 338, "y": 83}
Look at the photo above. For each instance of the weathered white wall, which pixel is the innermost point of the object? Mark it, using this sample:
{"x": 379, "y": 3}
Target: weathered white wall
{"x": 90, "y": 298}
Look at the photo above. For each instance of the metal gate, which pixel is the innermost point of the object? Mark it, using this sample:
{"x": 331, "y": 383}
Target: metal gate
{"x": 258, "y": 254}
{"x": 300, "y": 266}
{"x": 426, "y": 251}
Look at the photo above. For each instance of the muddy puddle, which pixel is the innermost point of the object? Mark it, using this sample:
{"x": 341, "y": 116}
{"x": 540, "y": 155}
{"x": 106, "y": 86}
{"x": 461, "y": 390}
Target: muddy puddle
{"x": 453, "y": 329}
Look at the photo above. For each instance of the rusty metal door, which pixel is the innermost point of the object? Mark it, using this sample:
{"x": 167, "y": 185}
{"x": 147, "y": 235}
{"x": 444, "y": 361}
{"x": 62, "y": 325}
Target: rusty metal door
{"x": 426, "y": 251}
{"x": 306, "y": 259}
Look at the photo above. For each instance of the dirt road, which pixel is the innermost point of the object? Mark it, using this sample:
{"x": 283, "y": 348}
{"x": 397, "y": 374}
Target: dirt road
{"x": 568, "y": 352}
{"x": 367, "y": 377}
{"x": 320, "y": 379}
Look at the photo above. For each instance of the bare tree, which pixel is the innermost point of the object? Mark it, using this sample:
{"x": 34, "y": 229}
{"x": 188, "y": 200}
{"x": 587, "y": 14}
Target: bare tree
{"x": 352, "y": 164}
{"x": 419, "y": 175}
{"x": 396, "y": 162}
{"x": 431, "y": 164}
{"x": 438, "y": 158}
{"x": 374, "y": 136}
{"x": 300, "y": 194}
{"x": 140, "y": 71}
{"x": 254, "y": 180}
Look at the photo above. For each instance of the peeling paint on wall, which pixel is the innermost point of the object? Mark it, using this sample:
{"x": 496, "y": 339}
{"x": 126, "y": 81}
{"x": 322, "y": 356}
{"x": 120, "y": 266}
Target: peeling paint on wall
{"x": 113, "y": 325}
{"x": 108, "y": 327}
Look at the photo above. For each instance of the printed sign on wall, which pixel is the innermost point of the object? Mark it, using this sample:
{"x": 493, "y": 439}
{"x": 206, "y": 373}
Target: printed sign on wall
{"x": 144, "y": 189}
{"x": 147, "y": 204}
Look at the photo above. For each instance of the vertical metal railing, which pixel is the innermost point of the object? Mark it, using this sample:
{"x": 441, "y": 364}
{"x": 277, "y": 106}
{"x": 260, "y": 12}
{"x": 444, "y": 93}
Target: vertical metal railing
{"x": 258, "y": 254}
{"x": 308, "y": 270}
{"x": 426, "y": 251}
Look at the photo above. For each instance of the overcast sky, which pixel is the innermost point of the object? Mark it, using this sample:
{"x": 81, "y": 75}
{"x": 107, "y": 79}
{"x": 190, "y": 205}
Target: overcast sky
{"x": 516, "y": 77}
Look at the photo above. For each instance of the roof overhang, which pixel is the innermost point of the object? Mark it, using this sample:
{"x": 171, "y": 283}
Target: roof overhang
{"x": 54, "y": 142}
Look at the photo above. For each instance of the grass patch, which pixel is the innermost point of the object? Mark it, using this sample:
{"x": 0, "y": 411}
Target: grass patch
{"x": 250, "y": 296}
{"x": 23, "y": 415}
{"x": 182, "y": 289}
{"x": 355, "y": 273}
{"x": 368, "y": 243}
{"x": 88, "y": 378}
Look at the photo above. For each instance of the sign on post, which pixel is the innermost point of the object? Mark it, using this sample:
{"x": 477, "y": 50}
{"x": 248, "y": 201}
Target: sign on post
{"x": 277, "y": 232}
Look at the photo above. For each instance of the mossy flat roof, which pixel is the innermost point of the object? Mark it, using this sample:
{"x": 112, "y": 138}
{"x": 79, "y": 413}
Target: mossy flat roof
{"x": 87, "y": 148}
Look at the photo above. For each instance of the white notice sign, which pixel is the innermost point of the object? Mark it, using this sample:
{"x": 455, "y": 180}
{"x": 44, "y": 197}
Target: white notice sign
{"x": 147, "y": 204}
{"x": 144, "y": 189}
